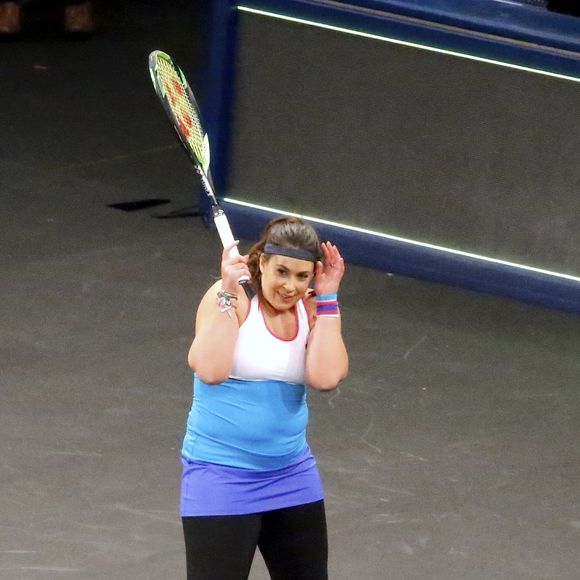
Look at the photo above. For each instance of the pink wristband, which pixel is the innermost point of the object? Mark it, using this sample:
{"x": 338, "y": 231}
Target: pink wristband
{"x": 327, "y": 305}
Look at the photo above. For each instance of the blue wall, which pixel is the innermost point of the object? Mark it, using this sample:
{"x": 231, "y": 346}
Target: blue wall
{"x": 483, "y": 27}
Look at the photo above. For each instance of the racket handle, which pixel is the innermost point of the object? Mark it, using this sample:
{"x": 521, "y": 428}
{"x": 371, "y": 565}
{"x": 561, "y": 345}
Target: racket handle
{"x": 224, "y": 230}
{"x": 227, "y": 238}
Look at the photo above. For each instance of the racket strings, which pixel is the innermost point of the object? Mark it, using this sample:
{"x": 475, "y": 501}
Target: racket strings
{"x": 183, "y": 109}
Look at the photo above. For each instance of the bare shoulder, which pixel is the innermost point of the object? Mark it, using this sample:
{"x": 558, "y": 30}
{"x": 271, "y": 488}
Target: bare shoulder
{"x": 207, "y": 304}
{"x": 210, "y": 295}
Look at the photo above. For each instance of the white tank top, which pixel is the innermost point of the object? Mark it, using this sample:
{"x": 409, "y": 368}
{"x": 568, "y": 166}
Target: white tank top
{"x": 260, "y": 355}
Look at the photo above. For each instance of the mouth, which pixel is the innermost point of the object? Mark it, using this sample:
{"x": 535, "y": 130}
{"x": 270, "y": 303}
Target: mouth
{"x": 286, "y": 298}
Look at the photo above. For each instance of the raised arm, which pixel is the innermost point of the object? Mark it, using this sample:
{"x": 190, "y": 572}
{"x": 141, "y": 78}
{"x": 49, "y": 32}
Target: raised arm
{"x": 216, "y": 329}
{"x": 326, "y": 356}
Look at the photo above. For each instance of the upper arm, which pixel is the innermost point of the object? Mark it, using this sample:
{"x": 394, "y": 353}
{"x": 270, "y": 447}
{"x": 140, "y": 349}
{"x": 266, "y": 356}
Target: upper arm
{"x": 207, "y": 305}
{"x": 211, "y": 352}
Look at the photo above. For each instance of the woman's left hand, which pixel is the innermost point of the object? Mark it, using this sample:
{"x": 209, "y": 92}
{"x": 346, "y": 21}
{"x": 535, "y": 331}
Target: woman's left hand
{"x": 329, "y": 273}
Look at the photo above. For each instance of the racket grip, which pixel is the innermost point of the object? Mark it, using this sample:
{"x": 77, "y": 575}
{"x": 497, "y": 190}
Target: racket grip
{"x": 224, "y": 230}
{"x": 227, "y": 238}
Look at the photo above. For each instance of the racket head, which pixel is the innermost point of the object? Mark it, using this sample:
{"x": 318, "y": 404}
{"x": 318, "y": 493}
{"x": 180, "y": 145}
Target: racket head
{"x": 180, "y": 106}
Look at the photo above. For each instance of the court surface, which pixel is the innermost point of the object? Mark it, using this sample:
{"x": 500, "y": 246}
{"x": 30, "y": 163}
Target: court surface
{"x": 450, "y": 452}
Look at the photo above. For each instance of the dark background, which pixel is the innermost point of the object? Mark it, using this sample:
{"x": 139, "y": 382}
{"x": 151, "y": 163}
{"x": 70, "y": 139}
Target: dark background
{"x": 430, "y": 147}
{"x": 450, "y": 452}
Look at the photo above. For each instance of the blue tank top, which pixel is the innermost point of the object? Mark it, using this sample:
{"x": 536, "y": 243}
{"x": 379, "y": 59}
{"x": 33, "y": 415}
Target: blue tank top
{"x": 257, "y": 425}
{"x": 256, "y": 422}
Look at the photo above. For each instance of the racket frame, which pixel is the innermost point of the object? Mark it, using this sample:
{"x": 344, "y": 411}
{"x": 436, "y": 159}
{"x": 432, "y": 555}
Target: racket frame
{"x": 200, "y": 163}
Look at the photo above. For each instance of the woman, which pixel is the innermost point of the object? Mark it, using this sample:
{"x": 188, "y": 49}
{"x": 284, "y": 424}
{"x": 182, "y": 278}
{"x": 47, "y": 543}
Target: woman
{"x": 249, "y": 477}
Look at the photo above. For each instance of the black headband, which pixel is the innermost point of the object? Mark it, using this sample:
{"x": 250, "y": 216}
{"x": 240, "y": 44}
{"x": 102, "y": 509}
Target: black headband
{"x": 290, "y": 252}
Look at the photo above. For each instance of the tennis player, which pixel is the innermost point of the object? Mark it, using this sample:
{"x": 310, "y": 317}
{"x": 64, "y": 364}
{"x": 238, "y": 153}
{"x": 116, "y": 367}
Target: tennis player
{"x": 249, "y": 478}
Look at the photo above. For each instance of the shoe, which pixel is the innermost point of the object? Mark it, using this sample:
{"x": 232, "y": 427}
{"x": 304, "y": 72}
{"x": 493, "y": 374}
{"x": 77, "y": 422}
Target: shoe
{"x": 79, "y": 19}
{"x": 9, "y": 18}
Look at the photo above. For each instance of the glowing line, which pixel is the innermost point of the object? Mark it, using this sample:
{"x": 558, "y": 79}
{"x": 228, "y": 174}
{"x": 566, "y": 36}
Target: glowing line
{"x": 422, "y": 47}
{"x": 405, "y": 240}
{"x": 404, "y": 43}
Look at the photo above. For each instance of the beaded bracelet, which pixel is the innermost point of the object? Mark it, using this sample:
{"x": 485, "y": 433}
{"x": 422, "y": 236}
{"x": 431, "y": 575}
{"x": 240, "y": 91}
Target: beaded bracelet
{"x": 327, "y": 305}
{"x": 226, "y": 301}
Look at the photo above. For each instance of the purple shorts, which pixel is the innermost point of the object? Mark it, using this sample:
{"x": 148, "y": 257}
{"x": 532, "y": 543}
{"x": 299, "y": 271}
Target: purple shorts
{"x": 208, "y": 489}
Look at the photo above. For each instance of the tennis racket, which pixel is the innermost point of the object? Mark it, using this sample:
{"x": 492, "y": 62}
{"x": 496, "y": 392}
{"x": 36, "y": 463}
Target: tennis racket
{"x": 183, "y": 113}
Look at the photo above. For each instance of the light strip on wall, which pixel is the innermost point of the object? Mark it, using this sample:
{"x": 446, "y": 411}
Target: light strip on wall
{"x": 422, "y": 47}
{"x": 403, "y": 42}
{"x": 405, "y": 240}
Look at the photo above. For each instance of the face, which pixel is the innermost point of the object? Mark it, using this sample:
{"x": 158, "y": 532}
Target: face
{"x": 285, "y": 280}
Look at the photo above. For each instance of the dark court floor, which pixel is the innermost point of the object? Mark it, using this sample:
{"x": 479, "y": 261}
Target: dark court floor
{"x": 450, "y": 453}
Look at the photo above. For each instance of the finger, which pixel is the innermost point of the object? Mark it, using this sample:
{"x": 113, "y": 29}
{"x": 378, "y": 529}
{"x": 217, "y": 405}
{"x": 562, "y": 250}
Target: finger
{"x": 236, "y": 269}
{"x": 339, "y": 261}
{"x": 332, "y": 251}
{"x": 335, "y": 253}
{"x": 319, "y": 268}
{"x": 227, "y": 251}
{"x": 332, "y": 257}
{"x": 232, "y": 260}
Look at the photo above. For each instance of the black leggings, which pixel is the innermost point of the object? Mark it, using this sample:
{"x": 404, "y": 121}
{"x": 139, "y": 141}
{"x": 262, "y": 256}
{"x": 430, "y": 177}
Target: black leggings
{"x": 292, "y": 541}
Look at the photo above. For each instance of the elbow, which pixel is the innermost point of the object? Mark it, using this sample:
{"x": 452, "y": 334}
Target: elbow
{"x": 325, "y": 383}
{"x": 208, "y": 374}
{"x": 326, "y": 377}
{"x": 324, "y": 386}
{"x": 325, "y": 369}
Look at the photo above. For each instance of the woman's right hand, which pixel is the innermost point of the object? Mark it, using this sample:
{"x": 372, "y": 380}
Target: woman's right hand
{"x": 233, "y": 268}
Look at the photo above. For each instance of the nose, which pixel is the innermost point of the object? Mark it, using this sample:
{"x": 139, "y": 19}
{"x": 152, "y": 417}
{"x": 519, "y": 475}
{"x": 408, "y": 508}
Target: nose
{"x": 289, "y": 285}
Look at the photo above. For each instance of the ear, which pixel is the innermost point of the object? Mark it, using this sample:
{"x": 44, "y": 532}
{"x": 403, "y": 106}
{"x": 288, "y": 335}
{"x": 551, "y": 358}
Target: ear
{"x": 262, "y": 263}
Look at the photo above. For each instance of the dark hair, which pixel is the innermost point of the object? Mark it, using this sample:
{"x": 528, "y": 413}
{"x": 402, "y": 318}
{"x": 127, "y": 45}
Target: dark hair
{"x": 289, "y": 232}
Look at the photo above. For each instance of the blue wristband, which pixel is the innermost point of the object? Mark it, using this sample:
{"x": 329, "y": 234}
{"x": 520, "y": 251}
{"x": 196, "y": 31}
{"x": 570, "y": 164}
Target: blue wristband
{"x": 326, "y": 297}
